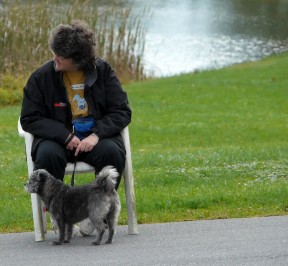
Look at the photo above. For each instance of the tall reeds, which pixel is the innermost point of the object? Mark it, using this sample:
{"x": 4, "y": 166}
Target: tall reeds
{"x": 25, "y": 27}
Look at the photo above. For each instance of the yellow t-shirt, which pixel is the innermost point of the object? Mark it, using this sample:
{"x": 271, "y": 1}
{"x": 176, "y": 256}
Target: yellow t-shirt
{"x": 74, "y": 83}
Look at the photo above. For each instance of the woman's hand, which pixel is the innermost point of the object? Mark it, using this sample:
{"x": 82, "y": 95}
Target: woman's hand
{"x": 87, "y": 144}
{"x": 73, "y": 144}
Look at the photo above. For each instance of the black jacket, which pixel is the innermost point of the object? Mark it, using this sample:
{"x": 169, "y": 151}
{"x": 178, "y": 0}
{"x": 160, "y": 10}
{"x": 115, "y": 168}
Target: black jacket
{"x": 46, "y": 111}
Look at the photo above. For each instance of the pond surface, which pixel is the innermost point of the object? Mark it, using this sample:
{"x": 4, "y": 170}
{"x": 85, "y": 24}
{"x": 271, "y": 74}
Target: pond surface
{"x": 189, "y": 35}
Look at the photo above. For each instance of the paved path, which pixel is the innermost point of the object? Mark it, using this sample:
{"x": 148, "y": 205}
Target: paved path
{"x": 253, "y": 241}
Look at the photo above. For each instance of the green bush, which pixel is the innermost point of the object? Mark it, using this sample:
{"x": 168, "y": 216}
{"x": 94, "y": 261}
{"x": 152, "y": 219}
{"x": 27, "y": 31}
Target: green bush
{"x": 11, "y": 89}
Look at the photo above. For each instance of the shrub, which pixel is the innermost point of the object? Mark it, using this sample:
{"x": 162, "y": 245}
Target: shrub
{"x": 11, "y": 89}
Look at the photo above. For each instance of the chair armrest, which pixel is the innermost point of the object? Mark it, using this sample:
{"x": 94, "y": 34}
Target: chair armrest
{"x": 26, "y": 135}
{"x": 21, "y": 132}
{"x": 28, "y": 145}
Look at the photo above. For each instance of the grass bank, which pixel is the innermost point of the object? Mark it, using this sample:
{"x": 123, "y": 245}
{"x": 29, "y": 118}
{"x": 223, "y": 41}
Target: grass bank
{"x": 206, "y": 145}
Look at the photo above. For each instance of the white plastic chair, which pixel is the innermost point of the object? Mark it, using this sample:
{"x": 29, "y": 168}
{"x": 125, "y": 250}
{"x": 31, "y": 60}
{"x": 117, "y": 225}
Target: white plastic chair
{"x": 38, "y": 207}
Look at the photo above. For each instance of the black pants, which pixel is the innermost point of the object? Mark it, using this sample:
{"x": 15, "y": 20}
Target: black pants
{"x": 53, "y": 157}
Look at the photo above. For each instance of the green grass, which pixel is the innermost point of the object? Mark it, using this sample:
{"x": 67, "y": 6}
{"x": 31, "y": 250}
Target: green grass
{"x": 206, "y": 145}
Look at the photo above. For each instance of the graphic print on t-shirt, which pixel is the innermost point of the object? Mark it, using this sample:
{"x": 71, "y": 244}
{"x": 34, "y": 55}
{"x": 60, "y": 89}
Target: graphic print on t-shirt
{"x": 74, "y": 83}
{"x": 78, "y": 104}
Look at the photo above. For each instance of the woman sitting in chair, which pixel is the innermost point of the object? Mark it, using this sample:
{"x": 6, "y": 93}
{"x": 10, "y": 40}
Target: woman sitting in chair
{"x": 74, "y": 105}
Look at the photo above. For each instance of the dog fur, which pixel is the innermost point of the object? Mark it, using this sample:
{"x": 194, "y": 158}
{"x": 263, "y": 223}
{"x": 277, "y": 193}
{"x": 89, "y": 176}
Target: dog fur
{"x": 68, "y": 205}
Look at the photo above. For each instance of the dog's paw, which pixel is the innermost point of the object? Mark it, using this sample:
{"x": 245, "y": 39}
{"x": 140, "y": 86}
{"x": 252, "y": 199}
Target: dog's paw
{"x": 108, "y": 242}
{"x": 56, "y": 243}
{"x": 95, "y": 243}
{"x": 66, "y": 241}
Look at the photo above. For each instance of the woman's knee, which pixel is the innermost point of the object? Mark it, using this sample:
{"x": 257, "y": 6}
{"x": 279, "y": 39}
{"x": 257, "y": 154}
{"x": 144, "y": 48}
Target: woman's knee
{"x": 113, "y": 153}
{"x": 51, "y": 156}
{"x": 108, "y": 152}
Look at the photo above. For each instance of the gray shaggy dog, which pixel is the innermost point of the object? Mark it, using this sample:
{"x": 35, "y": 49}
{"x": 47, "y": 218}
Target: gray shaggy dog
{"x": 68, "y": 205}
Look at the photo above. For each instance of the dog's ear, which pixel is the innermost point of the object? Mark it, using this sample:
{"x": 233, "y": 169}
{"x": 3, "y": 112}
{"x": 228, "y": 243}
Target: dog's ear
{"x": 40, "y": 175}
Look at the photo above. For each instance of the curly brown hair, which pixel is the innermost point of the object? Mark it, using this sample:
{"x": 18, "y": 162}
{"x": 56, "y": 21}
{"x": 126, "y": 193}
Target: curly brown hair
{"x": 76, "y": 41}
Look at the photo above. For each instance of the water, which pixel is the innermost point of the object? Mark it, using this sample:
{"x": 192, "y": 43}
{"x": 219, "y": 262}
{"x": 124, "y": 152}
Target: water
{"x": 189, "y": 35}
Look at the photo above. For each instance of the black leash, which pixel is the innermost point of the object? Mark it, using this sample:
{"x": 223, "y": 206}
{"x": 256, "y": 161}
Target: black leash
{"x": 73, "y": 173}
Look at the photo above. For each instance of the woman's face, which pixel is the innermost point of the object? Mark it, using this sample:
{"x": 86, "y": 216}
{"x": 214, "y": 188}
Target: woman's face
{"x": 64, "y": 64}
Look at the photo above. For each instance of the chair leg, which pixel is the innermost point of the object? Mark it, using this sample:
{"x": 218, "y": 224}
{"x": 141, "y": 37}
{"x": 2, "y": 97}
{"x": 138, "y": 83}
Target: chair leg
{"x": 38, "y": 218}
{"x": 130, "y": 200}
{"x": 129, "y": 185}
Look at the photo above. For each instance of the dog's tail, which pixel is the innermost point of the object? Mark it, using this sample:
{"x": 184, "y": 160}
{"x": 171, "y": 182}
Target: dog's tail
{"x": 107, "y": 178}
